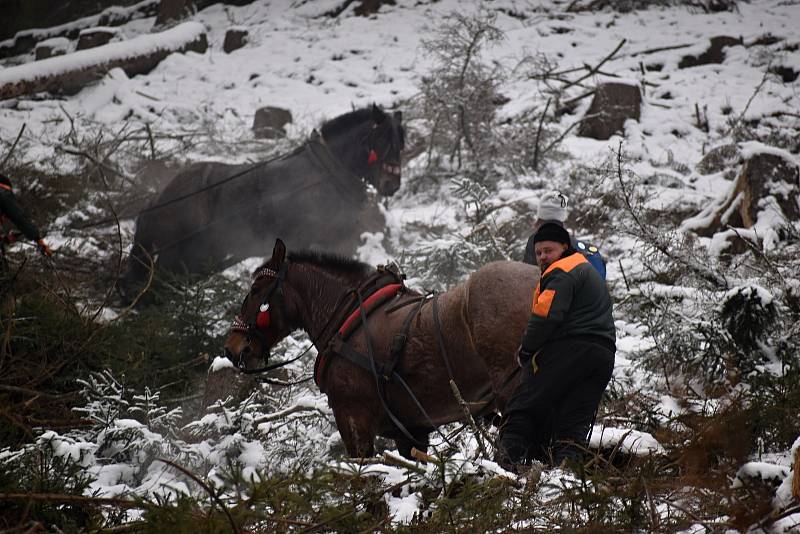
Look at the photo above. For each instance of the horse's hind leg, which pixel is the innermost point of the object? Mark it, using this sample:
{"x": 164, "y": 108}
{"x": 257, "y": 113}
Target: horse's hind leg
{"x": 356, "y": 425}
{"x": 404, "y": 445}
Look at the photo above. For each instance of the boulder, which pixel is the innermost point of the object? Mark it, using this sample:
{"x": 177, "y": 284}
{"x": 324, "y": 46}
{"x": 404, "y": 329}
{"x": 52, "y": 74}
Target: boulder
{"x": 612, "y": 105}
{"x": 235, "y": 38}
{"x": 715, "y": 53}
{"x": 94, "y": 37}
{"x": 269, "y": 122}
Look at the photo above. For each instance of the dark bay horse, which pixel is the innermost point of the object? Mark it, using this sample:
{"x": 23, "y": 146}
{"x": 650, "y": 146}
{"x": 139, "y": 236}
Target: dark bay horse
{"x": 213, "y": 215}
{"x": 481, "y": 322}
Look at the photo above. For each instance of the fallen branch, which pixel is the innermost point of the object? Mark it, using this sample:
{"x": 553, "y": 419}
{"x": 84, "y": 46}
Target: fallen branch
{"x": 13, "y": 146}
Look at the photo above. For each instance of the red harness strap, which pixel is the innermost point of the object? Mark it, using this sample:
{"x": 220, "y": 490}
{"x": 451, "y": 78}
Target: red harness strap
{"x": 354, "y": 321}
{"x": 375, "y": 300}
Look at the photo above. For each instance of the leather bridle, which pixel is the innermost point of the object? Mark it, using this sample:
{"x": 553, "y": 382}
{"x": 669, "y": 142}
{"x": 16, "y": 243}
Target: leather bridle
{"x": 262, "y": 320}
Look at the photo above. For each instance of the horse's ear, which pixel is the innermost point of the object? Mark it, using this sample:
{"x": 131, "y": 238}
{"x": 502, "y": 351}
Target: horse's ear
{"x": 378, "y": 116}
{"x": 398, "y": 116}
{"x": 279, "y": 252}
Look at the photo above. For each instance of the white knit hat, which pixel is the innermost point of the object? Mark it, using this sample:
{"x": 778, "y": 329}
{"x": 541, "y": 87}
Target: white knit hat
{"x": 553, "y": 207}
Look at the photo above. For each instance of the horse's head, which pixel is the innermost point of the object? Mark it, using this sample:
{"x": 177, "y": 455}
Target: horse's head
{"x": 385, "y": 143}
{"x": 262, "y": 321}
{"x": 369, "y": 142}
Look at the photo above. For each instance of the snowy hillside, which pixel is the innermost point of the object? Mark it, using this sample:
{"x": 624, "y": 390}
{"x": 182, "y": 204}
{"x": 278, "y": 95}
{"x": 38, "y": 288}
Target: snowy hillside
{"x": 647, "y": 198}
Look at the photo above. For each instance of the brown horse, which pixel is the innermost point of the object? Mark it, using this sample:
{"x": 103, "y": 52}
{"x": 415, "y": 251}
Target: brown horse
{"x": 481, "y": 323}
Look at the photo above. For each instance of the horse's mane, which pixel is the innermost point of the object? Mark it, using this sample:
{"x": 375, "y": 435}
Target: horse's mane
{"x": 330, "y": 261}
{"x": 343, "y": 123}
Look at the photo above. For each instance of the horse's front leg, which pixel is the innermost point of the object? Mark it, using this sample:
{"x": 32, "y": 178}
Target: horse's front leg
{"x": 357, "y": 426}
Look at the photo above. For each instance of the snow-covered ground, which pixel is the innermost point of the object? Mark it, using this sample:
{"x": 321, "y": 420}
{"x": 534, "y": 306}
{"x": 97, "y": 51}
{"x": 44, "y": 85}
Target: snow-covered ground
{"x": 319, "y": 67}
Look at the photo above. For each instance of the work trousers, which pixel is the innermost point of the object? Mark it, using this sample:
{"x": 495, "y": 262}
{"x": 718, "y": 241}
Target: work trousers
{"x": 549, "y": 415}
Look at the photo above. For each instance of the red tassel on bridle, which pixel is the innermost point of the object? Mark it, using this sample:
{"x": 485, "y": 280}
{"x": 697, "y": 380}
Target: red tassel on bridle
{"x": 263, "y": 318}
{"x": 373, "y": 157}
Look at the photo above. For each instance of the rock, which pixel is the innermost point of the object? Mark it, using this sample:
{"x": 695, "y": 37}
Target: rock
{"x": 94, "y": 37}
{"x": 612, "y": 105}
{"x": 269, "y": 122}
{"x": 172, "y": 10}
{"x": 787, "y": 74}
{"x": 370, "y": 7}
{"x": 719, "y": 159}
{"x": 57, "y": 46}
{"x": 235, "y": 38}
{"x": 714, "y": 54}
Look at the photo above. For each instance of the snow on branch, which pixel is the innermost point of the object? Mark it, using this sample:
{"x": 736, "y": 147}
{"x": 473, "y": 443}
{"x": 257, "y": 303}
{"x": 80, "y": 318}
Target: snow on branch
{"x": 73, "y": 71}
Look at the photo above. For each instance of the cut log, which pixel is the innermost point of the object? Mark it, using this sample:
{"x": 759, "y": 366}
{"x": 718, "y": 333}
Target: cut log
{"x": 714, "y": 54}
{"x": 57, "y": 46}
{"x": 25, "y": 41}
{"x": 269, "y": 122}
{"x": 94, "y": 37}
{"x": 612, "y": 105}
{"x": 765, "y": 195}
{"x": 73, "y": 71}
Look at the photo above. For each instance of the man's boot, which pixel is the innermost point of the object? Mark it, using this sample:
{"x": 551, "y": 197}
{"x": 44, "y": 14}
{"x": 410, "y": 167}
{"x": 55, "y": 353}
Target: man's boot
{"x": 511, "y": 453}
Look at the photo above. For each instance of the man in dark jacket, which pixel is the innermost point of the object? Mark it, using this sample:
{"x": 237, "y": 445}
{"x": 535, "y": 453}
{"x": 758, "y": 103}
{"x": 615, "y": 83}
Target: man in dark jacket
{"x": 10, "y": 210}
{"x": 567, "y": 356}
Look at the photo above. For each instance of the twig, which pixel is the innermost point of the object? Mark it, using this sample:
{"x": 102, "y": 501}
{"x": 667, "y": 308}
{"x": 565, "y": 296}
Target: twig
{"x": 538, "y": 136}
{"x": 660, "y": 49}
{"x": 468, "y": 417}
{"x": 13, "y": 146}
{"x": 208, "y": 490}
{"x": 568, "y": 103}
{"x": 596, "y": 68}
{"x": 118, "y": 270}
{"x": 288, "y": 411}
{"x": 58, "y": 497}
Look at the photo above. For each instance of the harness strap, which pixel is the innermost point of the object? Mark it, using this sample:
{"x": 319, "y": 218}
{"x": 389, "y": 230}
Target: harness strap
{"x": 372, "y": 362}
{"x": 377, "y": 298}
{"x": 346, "y": 351}
{"x": 398, "y": 344}
{"x": 439, "y": 337}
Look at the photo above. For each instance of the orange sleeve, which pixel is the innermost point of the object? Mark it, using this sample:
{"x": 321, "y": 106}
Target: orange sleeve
{"x": 541, "y": 305}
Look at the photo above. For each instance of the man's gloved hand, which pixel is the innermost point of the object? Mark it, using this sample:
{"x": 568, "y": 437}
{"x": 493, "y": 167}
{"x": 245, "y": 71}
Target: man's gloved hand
{"x": 523, "y": 356}
{"x": 43, "y": 248}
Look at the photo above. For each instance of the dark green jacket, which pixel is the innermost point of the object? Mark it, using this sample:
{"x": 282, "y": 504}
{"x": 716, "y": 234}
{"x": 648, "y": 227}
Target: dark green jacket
{"x": 570, "y": 300}
{"x": 9, "y": 208}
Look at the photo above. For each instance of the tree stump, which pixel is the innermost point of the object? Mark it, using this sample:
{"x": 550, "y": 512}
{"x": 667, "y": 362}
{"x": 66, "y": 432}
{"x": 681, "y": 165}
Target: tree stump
{"x": 227, "y": 382}
{"x": 94, "y": 37}
{"x": 235, "y": 38}
{"x": 612, "y": 105}
{"x": 764, "y": 196}
{"x": 269, "y": 122}
{"x": 715, "y": 53}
